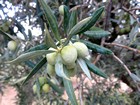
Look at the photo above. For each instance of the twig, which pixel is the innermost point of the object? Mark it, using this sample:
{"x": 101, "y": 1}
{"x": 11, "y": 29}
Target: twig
{"x": 134, "y": 9}
{"x": 122, "y": 63}
{"x": 61, "y": 20}
{"x": 131, "y": 13}
{"x": 120, "y": 45}
{"x": 96, "y": 59}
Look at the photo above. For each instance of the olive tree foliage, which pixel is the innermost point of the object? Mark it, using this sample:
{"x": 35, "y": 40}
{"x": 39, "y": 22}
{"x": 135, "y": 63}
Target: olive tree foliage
{"x": 109, "y": 29}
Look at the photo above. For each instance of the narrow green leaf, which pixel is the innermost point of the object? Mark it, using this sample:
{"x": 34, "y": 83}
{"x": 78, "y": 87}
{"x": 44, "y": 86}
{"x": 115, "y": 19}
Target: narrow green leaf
{"x": 69, "y": 89}
{"x": 97, "y": 34}
{"x": 38, "y": 89}
{"x": 50, "y": 18}
{"x": 97, "y": 48}
{"x": 38, "y": 47}
{"x": 66, "y": 18}
{"x": 85, "y": 24}
{"x": 35, "y": 69}
{"x": 93, "y": 20}
{"x": 76, "y": 28}
{"x": 95, "y": 69}
{"x": 19, "y": 80}
{"x": 55, "y": 87}
{"x": 7, "y": 35}
{"x": 30, "y": 34}
{"x": 84, "y": 67}
{"x": 48, "y": 39}
{"x": 29, "y": 55}
{"x": 72, "y": 20}
{"x": 59, "y": 68}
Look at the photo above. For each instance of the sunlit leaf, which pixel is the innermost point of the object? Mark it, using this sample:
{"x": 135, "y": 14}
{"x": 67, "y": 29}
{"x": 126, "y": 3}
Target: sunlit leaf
{"x": 29, "y": 55}
{"x": 59, "y": 68}
{"x": 85, "y": 24}
{"x": 97, "y": 34}
{"x": 84, "y": 67}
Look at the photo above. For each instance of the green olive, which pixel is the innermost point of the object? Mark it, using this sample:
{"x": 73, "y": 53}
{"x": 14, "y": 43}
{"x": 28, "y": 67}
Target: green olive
{"x": 42, "y": 80}
{"x": 72, "y": 72}
{"x": 4, "y": 27}
{"x": 12, "y": 45}
{"x": 69, "y": 54}
{"x": 35, "y": 88}
{"x": 71, "y": 66}
{"x": 51, "y": 57}
{"x": 46, "y": 88}
{"x": 82, "y": 49}
{"x": 50, "y": 69}
{"x": 61, "y": 9}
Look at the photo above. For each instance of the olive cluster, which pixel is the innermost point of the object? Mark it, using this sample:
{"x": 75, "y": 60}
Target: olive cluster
{"x": 44, "y": 87}
{"x": 68, "y": 56}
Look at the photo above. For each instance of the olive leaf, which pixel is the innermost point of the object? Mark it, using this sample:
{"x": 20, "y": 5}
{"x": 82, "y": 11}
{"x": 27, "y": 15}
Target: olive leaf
{"x": 96, "y": 34}
{"x": 84, "y": 67}
{"x": 29, "y": 55}
{"x": 55, "y": 87}
{"x": 50, "y": 18}
{"x": 66, "y": 18}
{"x": 95, "y": 69}
{"x": 69, "y": 88}
{"x": 38, "y": 90}
{"x": 97, "y": 48}
{"x": 48, "y": 39}
{"x": 35, "y": 69}
{"x": 38, "y": 47}
{"x": 85, "y": 24}
{"x": 72, "y": 20}
{"x": 59, "y": 68}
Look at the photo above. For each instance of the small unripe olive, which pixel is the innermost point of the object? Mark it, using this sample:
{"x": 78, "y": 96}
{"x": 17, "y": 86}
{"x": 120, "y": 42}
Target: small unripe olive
{"x": 61, "y": 9}
{"x": 42, "y": 80}
{"x": 69, "y": 54}
{"x": 50, "y": 69}
{"x": 71, "y": 66}
{"x": 8, "y": 23}
{"x": 45, "y": 88}
{"x": 12, "y": 45}
{"x": 34, "y": 88}
{"x": 72, "y": 72}
{"x": 4, "y": 27}
{"x": 51, "y": 57}
{"x": 82, "y": 49}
